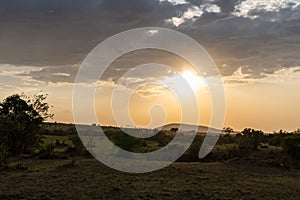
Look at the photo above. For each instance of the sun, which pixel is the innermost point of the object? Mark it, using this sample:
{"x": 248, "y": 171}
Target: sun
{"x": 195, "y": 81}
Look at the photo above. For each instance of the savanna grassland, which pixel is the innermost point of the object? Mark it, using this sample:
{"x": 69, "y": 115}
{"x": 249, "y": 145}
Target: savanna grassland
{"x": 41, "y": 160}
{"x": 235, "y": 169}
{"x": 88, "y": 179}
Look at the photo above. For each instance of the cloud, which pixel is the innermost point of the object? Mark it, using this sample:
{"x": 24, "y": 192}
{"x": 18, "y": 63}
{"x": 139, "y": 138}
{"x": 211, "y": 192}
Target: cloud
{"x": 52, "y": 32}
{"x": 58, "y": 74}
{"x": 15, "y": 70}
{"x": 260, "y": 45}
{"x": 56, "y": 35}
{"x": 258, "y": 8}
{"x": 286, "y": 74}
{"x": 213, "y": 9}
{"x": 241, "y": 77}
{"x": 175, "y": 2}
{"x": 193, "y": 12}
{"x": 115, "y": 72}
{"x": 151, "y": 90}
{"x": 237, "y": 78}
{"x": 15, "y": 78}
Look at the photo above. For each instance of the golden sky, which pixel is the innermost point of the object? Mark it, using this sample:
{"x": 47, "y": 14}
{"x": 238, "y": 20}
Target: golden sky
{"x": 268, "y": 103}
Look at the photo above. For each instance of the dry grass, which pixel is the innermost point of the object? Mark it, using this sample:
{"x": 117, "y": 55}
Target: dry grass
{"x": 55, "y": 179}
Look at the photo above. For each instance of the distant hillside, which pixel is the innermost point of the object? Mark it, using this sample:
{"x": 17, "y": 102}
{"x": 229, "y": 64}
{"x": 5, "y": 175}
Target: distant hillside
{"x": 186, "y": 127}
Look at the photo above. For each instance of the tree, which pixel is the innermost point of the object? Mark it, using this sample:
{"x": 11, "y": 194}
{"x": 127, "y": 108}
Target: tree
{"x": 20, "y": 120}
{"x": 174, "y": 130}
{"x": 4, "y": 155}
{"x": 228, "y": 130}
{"x": 251, "y": 138}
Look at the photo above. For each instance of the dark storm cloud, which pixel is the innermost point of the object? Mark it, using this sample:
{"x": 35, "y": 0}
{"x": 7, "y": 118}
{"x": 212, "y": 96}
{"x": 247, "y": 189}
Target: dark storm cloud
{"x": 47, "y": 32}
{"x": 260, "y": 45}
{"x": 62, "y": 32}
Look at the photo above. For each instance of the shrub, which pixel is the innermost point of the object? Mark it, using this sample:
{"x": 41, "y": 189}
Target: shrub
{"x": 20, "y": 167}
{"x": 292, "y": 146}
{"x": 125, "y": 141}
{"x": 47, "y": 152}
{"x": 4, "y": 157}
{"x": 192, "y": 154}
{"x": 226, "y": 139}
{"x": 77, "y": 150}
{"x": 238, "y": 152}
{"x": 251, "y": 138}
{"x": 276, "y": 140}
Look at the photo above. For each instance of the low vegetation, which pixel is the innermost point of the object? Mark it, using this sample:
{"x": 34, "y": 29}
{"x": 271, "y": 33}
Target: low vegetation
{"x": 24, "y": 134}
{"x": 27, "y": 139}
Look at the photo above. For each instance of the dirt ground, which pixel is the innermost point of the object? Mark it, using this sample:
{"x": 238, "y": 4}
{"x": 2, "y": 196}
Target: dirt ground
{"x": 89, "y": 179}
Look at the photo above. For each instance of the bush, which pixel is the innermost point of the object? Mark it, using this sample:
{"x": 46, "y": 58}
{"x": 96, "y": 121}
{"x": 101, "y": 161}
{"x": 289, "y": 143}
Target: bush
{"x": 20, "y": 167}
{"x": 251, "y": 139}
{"x": 292, "y": 146}
{"x": 276, "y": 140}
{"x": 47, "y": 152}
{"x": 226, "y": 139}
{"x": 238, "y": 152}
{"x": 78, "y": 149}
{"x": 4, "y": 157}
{"x": 192, "y": 154}
{"x": 125, "y": 141}
{"x": 163, "y": 138}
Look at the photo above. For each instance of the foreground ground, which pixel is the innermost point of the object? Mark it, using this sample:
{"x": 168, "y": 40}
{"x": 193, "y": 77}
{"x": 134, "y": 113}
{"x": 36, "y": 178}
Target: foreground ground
{"x": 88, "y": 179}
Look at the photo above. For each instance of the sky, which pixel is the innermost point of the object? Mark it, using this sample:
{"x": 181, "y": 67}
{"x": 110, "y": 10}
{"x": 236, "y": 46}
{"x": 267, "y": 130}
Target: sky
{"x": 254, "y": 43}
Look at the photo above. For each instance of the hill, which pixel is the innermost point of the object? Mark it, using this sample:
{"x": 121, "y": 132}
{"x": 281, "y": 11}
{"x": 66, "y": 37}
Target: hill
{"x": 187, "y": 127}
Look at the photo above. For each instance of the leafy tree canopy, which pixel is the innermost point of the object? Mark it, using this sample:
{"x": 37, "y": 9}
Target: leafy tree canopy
{"x": 20, "y": 119}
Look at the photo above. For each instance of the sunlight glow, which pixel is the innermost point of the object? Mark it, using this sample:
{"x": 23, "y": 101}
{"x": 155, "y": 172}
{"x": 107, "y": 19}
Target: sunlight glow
{"x": 195, "y": 81}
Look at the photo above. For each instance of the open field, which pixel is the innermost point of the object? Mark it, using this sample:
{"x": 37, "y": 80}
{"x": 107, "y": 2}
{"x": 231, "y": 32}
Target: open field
{"x": 251, "y": 165}
{"x": 88, "y": 179}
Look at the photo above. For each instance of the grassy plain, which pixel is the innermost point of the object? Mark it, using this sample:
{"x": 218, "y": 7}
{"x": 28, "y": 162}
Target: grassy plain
{"x": 88, "y": 179}
{"x": 234, "y": 170}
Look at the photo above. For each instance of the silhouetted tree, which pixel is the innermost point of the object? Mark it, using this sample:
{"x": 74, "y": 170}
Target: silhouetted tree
{"x": 21, "y": 117}
{"x": 174, "y": 130}
{"x": 228, "y": 130}
{"x": 251, "y": 138}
